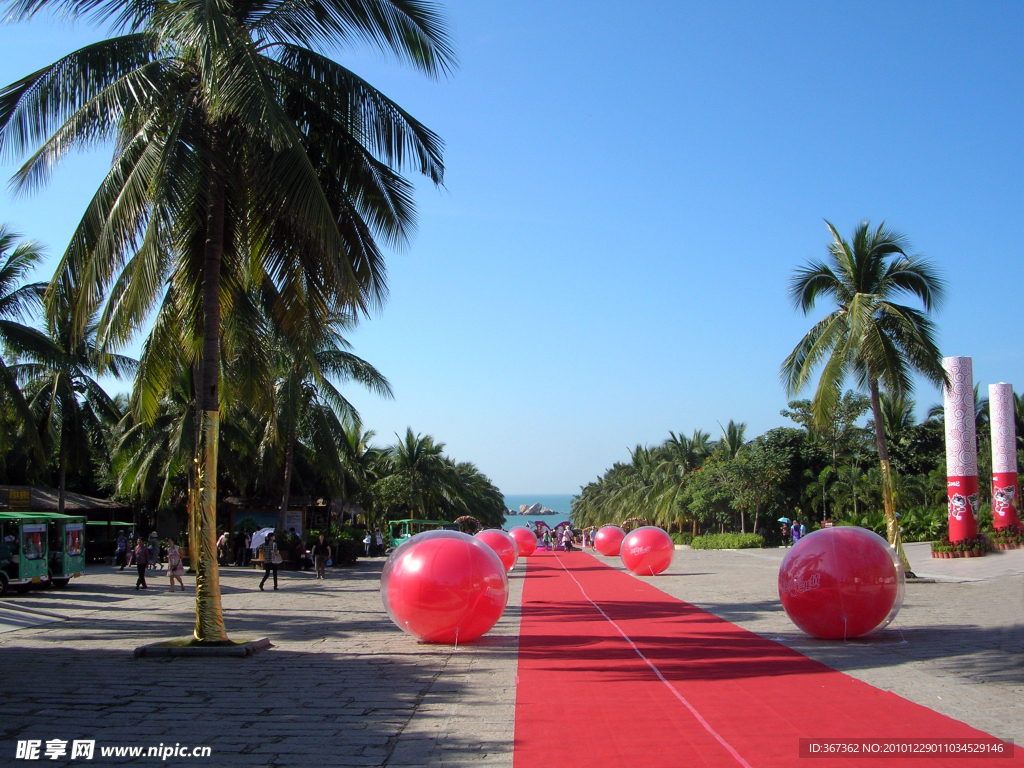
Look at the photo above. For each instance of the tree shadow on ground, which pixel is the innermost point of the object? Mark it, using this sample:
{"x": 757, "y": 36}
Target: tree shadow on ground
{"x": 278, "y": 707}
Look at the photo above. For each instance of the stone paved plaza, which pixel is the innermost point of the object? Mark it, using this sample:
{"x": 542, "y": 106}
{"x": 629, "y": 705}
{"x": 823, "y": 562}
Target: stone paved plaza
{"x": 342, "y": 686}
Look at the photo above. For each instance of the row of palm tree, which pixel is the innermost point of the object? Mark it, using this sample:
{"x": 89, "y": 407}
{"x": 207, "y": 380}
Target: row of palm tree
{"x": 285, "y": 424}
{"x": 824, "y": 469}
{"x": 250, "y": 172}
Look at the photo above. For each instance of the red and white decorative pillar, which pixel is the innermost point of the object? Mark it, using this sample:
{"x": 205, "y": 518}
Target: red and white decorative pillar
{"x": 961, "y": 449}
{"x": 1004, "y": 456}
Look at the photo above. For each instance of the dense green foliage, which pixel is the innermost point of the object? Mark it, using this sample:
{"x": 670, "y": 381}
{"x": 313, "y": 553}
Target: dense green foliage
{"x": 811, "y": 473}
{"x": 728, "y": 541}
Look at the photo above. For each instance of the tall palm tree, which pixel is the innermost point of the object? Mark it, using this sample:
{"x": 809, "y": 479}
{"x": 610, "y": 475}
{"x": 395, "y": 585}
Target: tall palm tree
{"x": 868, "y": 336}
{"x": 733, "y": 438}
{"x": 416, "y": 475}
{"x": 241, "y": 154}
{"x": 19, "y": 300}
{"x": 68, "y": 400}
{"x": 305, "y": 400}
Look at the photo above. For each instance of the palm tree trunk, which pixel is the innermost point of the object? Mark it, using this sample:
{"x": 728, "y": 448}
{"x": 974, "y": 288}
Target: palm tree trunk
{"x": 203, "y": 552}
{"x": 62, "y": 463}
{"x": 289, "y": 462}
{"x": 892, "y": 527}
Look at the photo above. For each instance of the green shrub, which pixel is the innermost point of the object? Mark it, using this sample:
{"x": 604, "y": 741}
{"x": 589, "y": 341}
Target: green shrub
{"x": 728, "y": 541}
{"x": 682, "y": 538}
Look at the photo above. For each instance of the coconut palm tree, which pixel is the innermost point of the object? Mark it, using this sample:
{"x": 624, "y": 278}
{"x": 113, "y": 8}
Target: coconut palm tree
{"x": 868, "y": 335}
{"x": 241, "y": 154}
{"x": 732, "y": 438}
{"x": 20, "y": 300}
{"x": 69, "y": 403}
{"x": 416, "y": 476}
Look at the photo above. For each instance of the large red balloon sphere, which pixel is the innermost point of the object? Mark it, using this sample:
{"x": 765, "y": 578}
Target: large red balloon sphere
{"x": 843, "y": 582}
{"x": 526, "y": 539}
{"x": 504, "y": 546}
{"x": 608, "y": 540}
{"x": 444, "y": 587}
{"x": 647, "y": 551}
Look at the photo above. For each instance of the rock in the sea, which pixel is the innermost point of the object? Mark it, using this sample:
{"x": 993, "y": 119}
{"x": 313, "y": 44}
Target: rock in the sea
{"x": 522, "y": 509}
{"x": 535, "y": 509}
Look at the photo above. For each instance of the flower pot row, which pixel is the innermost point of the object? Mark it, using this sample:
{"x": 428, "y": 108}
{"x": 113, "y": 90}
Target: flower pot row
{"x": 1007, "y": 546}
{"x": 947, "y": 555}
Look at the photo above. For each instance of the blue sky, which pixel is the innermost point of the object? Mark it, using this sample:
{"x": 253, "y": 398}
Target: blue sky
{"x": 627, "y": 193}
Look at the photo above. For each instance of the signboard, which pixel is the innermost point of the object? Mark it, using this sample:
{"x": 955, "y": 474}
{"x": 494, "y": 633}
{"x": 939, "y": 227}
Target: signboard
{"x": 73, "y": 527}
{"x": 293, "y": 519}
{"x": 15, "y": 498}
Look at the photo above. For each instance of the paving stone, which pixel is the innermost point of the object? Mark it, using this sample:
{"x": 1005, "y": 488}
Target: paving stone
{"x": 343, "y": 687}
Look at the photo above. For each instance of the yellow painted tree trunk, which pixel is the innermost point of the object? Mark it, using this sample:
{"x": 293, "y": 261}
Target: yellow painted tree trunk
{"x": 203, "y": 544}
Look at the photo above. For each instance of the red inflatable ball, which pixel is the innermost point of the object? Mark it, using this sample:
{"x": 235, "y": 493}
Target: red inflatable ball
{"x": 444, "y": 587}
{"x": 647, "y": 551}
{"x": 504, "y": 546}
{"x": 840, "y": 583}
{"x": 526, "y": 539}
{"x": 608, "y": 540}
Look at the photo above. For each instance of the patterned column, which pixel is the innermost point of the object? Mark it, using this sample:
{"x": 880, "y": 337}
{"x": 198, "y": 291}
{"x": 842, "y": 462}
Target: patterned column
{"x": 961, "y": 449}
{"x": 1004, "y": 456}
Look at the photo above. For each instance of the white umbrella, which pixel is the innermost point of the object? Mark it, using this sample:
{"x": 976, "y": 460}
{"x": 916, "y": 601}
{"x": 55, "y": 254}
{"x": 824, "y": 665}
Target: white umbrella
{"x": 259, "y": 537}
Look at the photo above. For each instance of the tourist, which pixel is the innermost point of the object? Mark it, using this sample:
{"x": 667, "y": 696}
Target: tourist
{"x": 380, "y": 540}
{"x": 305, "y": 560}
{"x": 271, "y": 559}
{"x": 175, "y": 567}
{"x": 321, "y": 554}
{"x": 121, "y": 553}
{"x": 795, "y": 531}
{"x": 785, "y": 534}
{"x": 141, "y": 561}
{"x": 154, "y": 550}
{"x": 547, "y": 540}
{"x": 222, "y": 548}
{"x": 368, "y": 542}
{"x": 241, "y": 548}
{"x": 567, "y": 538}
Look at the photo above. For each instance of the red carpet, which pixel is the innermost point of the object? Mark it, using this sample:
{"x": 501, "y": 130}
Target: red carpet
{"x": 704, "y": 692}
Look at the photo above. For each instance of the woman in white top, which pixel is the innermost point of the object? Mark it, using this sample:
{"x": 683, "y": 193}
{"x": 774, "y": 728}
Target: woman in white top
{"x": 175, "y": 567}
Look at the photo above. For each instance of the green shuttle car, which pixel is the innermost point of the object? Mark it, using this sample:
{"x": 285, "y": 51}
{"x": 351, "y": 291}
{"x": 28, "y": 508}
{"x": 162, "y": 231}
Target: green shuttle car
{"x": 67, "y": 547}
{"x": 23, "y": 550}
{"x": 402, "y": 530}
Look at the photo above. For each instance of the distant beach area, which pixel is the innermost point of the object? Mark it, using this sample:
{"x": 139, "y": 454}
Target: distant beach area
{"x": 556, "y": 502}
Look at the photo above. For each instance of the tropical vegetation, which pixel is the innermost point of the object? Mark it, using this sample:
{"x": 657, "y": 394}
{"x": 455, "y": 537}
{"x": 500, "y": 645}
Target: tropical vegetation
{"x": 253, "y": 182}
{"x": 854, "y": 457}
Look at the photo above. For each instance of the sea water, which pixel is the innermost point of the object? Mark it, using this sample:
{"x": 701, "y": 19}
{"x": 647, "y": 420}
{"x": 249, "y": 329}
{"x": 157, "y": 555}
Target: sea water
{"x": 556, "y": 502}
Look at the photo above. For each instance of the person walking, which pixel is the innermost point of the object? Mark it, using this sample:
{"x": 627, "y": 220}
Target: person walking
{"x": 141, "y": 561}
{"x": 175, "y": 567}
{"x": 321, "y": 554}
{"x": 380, "y": 540}
{"x": 121, "y": 554}
{"x": 795, "y": 531}
{"x": 222, "y": 549}
{"x": 154, "y": 550}
{"x": 547, "y": 540}
{"x": 271, "y": 559}
{"x": 368, "y": 542}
